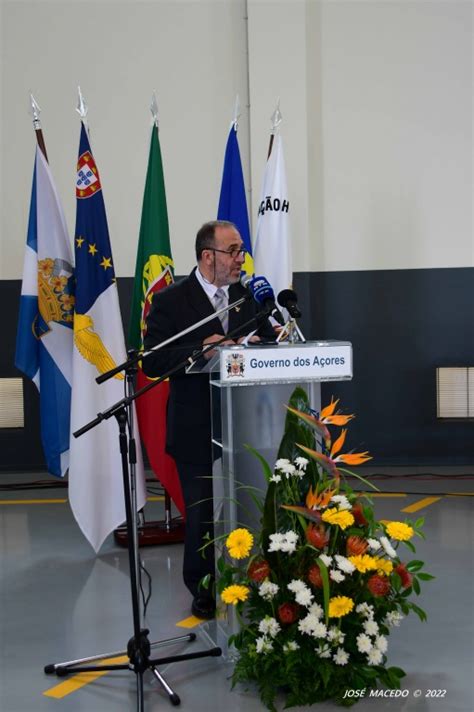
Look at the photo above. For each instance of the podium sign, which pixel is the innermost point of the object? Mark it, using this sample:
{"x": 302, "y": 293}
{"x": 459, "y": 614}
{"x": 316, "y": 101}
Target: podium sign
{"x": 319, "y": 361}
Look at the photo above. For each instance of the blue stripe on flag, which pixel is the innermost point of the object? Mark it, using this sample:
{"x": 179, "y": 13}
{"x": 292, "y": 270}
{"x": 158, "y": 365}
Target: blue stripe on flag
{"x": 32, "y": 236}
{"x": 26, "y": 355}
{"x": 55, "y": 391}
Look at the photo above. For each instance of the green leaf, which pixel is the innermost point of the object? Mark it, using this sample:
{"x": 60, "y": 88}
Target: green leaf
{"x": 267, "y": 470}
{"x": 419, "y": 522}
{"x": 416, "y": 585}
{"x": 410, "y": 546}
{"x": 419, "y": 611}
{"x": 397, "y": 671}
{"x": 425, "y": 577}
{"x": 414, "y": 565}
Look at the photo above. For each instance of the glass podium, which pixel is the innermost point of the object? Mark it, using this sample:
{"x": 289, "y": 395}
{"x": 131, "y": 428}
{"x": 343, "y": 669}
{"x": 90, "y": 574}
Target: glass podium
{"x": 249, "y": 387}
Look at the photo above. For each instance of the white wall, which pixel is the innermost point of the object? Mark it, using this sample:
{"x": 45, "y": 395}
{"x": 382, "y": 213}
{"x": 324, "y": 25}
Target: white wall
{"x": 376, "y": 99}
{"x": 192, "y": 53}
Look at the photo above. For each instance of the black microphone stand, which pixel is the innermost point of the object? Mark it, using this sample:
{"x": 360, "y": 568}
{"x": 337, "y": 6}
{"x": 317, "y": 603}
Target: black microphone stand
{"x": 139, "y": 647}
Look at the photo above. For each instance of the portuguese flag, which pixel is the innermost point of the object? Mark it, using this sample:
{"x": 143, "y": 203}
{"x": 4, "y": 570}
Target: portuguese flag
{"x": 154, "y": 271}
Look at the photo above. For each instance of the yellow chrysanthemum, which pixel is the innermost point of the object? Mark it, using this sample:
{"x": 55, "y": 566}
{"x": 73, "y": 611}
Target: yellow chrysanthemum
{"x": 363, "y": 563}
{"x": 340, "y": 606}
{"x": 341, "y": 517}
{"x": 383, "y": 566}
{"x": 399, "y": 531}
{"x": 234, "y": 594}
{"x": 239, "y": 543}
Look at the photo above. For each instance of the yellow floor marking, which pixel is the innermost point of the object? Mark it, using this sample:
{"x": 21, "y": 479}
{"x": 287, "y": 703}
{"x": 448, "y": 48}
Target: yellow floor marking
{"x": 83, "y": 678}
{"x": 421, "y": 504}
{"x": 33, "y": 501}
{"x": 190, "y": 622}
{"x": 57, "y": 501}
{"x": 459, "y": 494}
{"x": 386, "y": 494}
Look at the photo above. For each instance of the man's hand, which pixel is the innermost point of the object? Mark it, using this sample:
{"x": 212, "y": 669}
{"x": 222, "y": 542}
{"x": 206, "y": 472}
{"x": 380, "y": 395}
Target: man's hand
{"x": 254, "y": 339}
{"x": 212, "y": 340}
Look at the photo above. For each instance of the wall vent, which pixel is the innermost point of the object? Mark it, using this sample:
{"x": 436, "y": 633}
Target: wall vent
{"x": 455, "y": 392}
{"x": 11, "y": 403}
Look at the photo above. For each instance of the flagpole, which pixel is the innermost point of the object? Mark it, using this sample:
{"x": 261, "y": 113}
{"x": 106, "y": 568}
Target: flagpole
{"x": 35, "y": 111}
{"x": 276, "y": 119}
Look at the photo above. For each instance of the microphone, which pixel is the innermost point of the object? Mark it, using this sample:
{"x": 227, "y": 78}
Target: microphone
{"x": 263, "y": 294}
{"x": 289, "y": 301}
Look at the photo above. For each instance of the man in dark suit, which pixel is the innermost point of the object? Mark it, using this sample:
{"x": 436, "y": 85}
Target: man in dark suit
{"x": 212, "y": 284}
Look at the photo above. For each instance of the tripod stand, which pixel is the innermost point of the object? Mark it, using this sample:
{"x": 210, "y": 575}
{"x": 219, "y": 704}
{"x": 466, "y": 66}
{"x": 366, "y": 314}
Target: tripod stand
{"x": 139, "y": 646}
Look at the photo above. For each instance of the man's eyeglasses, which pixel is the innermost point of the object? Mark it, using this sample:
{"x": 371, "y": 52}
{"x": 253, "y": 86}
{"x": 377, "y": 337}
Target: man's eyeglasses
{"x": 233, "y": 253}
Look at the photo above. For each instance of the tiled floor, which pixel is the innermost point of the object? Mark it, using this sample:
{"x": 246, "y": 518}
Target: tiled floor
{"x": 61, "y": 602}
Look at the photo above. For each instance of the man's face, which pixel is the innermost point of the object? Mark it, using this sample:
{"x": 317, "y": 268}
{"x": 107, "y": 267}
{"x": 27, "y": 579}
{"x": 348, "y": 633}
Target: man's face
{"x": 225, "y": 269}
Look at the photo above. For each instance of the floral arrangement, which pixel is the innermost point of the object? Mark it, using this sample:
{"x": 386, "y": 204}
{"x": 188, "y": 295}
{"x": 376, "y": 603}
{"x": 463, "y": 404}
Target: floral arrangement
{"x": 318, "y": 588}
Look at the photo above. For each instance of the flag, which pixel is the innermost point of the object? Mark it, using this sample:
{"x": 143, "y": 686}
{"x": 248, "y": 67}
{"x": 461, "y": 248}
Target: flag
{"x": 95, "y": 475}
{"x": 272, "y": 252}
{"x": 44, "y": 338}
{"x": 232, "y": 201}
{"x": 153, "y": 271}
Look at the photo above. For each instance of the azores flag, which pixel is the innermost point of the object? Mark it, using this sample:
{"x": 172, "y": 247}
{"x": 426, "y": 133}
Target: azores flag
{"x": 95, "y": 474}
{"x": 232, "y": 201}
{"x": 272, "y": 248}
{"x": 44, "y": 338}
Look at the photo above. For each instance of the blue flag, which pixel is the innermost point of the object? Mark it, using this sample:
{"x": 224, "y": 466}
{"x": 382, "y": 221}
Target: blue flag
{"x": 233, "y": 201}
{"x": 95, "y": 473}
{"x": 45, "y": 337}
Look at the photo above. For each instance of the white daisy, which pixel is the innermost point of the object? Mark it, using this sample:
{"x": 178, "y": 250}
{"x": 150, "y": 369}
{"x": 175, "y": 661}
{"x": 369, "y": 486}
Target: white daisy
{"x": 289, "y": 542}
{"x": 316, "y": 610}
{"x": 304, "y": 598}
{"x": 263, "y": 645}
{"x": 394, "y": 618}
{"x": 365, "y": 609}
{"x": 342, "y": 501}
{"x": 268, "y": 590}
{"x": 286, "y": 467}
{"x": 374, "y": 657}
{"x": 327, "y": 560}
{"x": 320, "y": 630}
{"x": 374, "y": 544}
{"x": 312, "y": 626}
{"x": 364, "y": 644}
{"x": 341, "y": 657}
{"x": 344, "y": 564}
{"x": 283, "y": 541}
{"x": 291, "y": 646}
{"x": 301, "y": 463}
{"x": 388, "y": 548}
{"x": 380, "y": 643}
{"x": 297, "y": 585}
{"x": 269, "y": 626}
{"x": 336, "y": 576}
{"x": 323, "y": 651}
{"x": 275, "y": 478}
{"x": 371, "y": 627}
{"x": 336, "y": 636}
